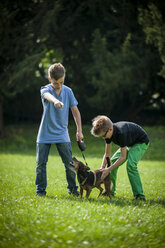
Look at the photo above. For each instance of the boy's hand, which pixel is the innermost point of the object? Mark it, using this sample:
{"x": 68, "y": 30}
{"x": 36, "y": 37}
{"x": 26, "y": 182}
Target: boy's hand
{"x": 79, "y": 136}
{"x": 58, "y": 104}
{"x": 105, "y": 173}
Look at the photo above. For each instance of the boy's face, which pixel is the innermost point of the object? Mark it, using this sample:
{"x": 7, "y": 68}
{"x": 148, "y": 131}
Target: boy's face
{"x": 57, "y": 84}
{"x": 107, "y": 134}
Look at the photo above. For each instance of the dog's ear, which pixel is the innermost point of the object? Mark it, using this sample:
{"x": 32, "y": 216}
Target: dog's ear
{"x": 82, "y": 166}
{"x": 74, "y": 159}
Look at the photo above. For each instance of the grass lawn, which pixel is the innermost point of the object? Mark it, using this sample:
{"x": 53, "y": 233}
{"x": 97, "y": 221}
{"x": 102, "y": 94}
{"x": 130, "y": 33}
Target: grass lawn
{"x": 60, "y": 220}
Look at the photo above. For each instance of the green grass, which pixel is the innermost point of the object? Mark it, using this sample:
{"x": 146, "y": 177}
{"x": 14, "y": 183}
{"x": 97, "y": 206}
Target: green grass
{"x": 60, "y": 220}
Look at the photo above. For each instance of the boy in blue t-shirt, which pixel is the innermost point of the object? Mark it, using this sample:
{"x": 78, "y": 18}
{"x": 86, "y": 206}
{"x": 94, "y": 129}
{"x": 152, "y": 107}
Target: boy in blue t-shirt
{"x": 133, "y": 142}
{"x": 57, "y": 99}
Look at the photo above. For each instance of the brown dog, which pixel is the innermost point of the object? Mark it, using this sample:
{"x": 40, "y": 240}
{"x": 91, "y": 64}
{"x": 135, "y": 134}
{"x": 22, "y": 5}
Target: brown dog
{"x": 90, "y": 179}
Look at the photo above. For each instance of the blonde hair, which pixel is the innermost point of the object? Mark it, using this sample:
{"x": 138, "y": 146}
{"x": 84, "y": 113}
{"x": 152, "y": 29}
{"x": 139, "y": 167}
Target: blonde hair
{"x": 56, "y": 71}
{"x": 100, "y": 124}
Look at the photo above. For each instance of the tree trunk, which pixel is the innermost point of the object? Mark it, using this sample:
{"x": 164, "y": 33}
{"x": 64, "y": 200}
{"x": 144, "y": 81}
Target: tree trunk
{"x": 2, "y": 131}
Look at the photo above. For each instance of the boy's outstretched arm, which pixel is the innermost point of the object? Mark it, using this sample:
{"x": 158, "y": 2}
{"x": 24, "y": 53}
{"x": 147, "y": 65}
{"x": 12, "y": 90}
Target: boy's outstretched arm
{"x": 49, "y": 97}
{"x": 77, "y": 118}
{"x": 106, "y": 154}
{"x": 119, "y": 161}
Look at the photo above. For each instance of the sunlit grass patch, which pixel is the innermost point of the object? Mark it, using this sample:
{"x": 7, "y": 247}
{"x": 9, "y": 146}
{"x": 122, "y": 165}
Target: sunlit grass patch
{"x": 61, "y": 220}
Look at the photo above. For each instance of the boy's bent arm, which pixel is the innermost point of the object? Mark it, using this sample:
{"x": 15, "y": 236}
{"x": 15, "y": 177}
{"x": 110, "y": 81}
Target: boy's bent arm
{"x": 121, "y": 159}
{"x": 107, "y": 154}
{"x": 49, "y": 97}
{"x": 77, "y": 118}
{"x": 118, "y": 162}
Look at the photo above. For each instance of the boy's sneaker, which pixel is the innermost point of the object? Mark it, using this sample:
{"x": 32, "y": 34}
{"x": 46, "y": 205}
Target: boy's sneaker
{"x": 40, "y": 194}
{"x": 74, "y": 193}
{"x": 138, "y": 197}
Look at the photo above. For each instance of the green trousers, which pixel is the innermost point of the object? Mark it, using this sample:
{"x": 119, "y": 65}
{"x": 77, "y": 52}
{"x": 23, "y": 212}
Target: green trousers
{"x": 134, "y": 154}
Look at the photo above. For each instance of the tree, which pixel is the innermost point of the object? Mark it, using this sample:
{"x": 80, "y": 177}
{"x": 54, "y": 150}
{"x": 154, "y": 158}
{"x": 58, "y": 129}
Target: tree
{"x": 120, "y": 79}
{"x": 153, "y": 26}
{"x": 109, "y": 65}
{"x": 18, "y": 60}
{"x": 151, "y": 20}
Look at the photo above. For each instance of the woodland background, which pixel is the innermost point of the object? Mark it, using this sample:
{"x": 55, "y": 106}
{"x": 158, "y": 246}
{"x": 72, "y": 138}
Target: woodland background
{"x": 113, "y": 52}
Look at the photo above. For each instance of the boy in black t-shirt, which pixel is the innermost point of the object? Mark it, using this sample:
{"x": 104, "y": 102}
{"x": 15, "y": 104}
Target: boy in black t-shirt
{"x": 133, "y": 142}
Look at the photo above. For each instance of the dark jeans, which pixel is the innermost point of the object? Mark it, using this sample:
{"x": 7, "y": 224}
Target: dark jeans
{"x": 65, "y": 152}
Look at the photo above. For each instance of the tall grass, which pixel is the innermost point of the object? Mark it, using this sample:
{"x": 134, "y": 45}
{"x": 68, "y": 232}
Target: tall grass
{"x": 60, "y": 220}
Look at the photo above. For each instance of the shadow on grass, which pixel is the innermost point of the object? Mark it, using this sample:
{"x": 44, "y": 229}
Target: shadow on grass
{"x": 121, "y": 202}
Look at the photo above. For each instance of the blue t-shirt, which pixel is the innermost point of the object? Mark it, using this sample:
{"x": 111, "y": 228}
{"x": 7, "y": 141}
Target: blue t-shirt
{"x": 54, "y": 122}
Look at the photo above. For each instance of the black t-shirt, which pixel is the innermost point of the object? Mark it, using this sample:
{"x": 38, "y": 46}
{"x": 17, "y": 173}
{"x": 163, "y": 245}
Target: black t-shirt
{"x": 127, "y": 134}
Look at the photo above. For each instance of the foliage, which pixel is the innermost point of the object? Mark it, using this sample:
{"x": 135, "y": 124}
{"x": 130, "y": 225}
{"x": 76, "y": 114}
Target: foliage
{"x": 60, "y": 220}
{"x": 154, "y": 28}
{"x": 19, "y": 63}
{"x": 103, "y": 47}
{"x": 120, "y": 79}
{"x": 153, "y": 25}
